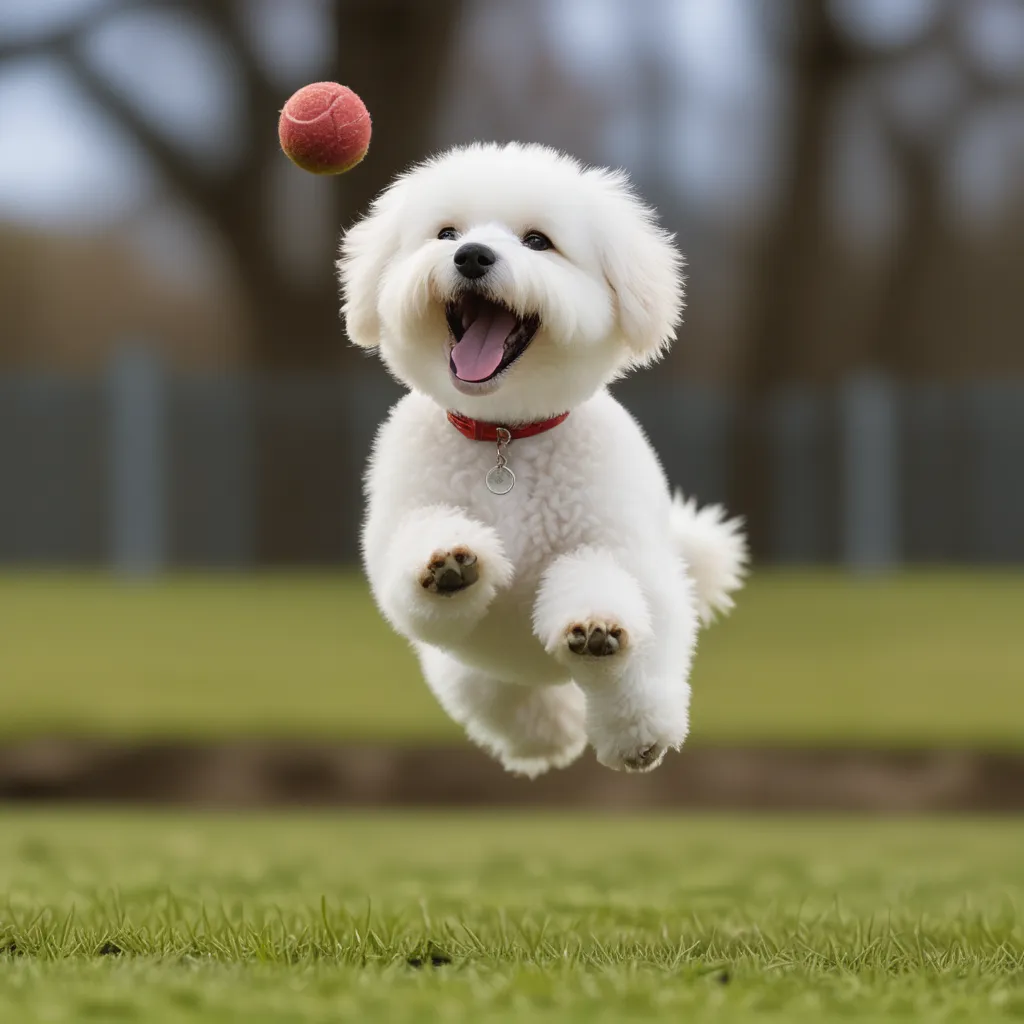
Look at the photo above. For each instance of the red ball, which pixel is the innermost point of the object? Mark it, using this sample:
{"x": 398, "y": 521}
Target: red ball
{"x": 325, "y": 128}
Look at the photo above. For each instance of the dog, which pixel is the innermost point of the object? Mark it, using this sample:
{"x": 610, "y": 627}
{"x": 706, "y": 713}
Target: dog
{"x": 520, "y": 531}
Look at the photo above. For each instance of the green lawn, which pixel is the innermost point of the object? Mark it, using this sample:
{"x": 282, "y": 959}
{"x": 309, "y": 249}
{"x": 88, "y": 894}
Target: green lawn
{"x": 314, "y": 918}
{"x": 922, "y": 658}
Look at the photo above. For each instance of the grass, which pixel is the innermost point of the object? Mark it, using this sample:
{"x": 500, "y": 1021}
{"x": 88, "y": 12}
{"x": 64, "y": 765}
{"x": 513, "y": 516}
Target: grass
{"x": 915, "y": 659}
{"x": 164, "y": 917}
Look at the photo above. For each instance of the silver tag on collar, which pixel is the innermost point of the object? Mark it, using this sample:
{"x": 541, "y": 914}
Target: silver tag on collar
{"x": 500, "y": 479}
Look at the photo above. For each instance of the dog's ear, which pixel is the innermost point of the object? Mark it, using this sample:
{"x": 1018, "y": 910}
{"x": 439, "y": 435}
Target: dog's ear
{"x": 643, "y": 267}
{"x": 365, "y": 250}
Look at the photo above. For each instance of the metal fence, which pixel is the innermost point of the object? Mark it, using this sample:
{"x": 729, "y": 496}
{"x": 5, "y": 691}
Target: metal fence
{"x": 141, "y": 468}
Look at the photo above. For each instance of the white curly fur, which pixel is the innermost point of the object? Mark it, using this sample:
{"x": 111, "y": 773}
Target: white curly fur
{"x": 714, "y": 549}
{"x": 588, "y": 584}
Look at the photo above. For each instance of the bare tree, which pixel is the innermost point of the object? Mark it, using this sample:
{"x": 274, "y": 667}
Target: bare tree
{"x": 909, "y": 307}
{"x": 391, "y": 51}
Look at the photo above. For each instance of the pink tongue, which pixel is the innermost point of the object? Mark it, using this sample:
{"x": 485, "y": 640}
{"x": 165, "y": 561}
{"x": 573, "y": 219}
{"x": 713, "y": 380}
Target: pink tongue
{"x": 478, "y": 354}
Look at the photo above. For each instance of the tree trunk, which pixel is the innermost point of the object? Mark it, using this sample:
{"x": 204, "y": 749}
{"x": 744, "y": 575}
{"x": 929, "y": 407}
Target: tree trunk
{"x": 393, "y": 54}
{"x": 782, "y": 331}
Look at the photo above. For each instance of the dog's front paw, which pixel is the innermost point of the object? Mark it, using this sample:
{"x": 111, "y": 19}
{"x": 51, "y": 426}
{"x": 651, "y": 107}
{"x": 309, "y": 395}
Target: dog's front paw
{"x": 449, "y": 572}
{"x": 596, "y": 638}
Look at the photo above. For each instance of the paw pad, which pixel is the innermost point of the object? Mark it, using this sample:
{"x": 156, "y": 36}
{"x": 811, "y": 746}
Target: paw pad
{"x": 645, "y": 759}
{"x": 596, "y": 639}
{"x": 448, "y": 572}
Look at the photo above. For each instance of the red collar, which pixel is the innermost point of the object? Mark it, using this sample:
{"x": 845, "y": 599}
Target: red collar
{"x": 477, "y": 430}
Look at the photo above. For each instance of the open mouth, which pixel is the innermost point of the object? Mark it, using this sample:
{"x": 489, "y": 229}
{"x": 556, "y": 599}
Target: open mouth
{"x": 488, "y": 338}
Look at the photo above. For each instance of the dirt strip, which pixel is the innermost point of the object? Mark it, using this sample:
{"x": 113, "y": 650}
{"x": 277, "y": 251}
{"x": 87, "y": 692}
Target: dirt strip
{"x": 267, "y": 774}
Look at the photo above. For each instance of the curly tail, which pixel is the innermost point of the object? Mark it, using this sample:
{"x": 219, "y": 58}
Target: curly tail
{"x": 715, "y": 551}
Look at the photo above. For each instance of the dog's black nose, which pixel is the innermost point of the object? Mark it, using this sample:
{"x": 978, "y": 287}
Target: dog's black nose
{"x": 473, "y": 260}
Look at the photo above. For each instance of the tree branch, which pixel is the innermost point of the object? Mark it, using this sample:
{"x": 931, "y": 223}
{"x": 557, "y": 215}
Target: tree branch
{"x": 223, "y": 20}
{"x": 182, "y": 173}
{"x": 66, "y": 35}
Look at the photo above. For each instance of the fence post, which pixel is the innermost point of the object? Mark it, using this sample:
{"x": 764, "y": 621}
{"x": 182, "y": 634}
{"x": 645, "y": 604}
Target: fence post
{"x": 138, "y": 461}
{"x": 797, "y": 422}
{"x": 995, "y": 479}
{"x": 869, "y": 468}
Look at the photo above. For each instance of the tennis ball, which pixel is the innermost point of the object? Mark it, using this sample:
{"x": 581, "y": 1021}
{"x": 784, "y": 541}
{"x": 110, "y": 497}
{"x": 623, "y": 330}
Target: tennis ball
{"x": 324, "y": 128}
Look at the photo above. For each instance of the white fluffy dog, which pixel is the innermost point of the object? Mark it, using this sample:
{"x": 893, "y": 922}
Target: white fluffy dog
{"x": 551, "y": 587}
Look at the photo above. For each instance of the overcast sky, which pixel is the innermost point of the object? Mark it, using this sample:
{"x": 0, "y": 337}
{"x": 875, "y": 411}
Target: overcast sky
{"x": 63, "y": 162}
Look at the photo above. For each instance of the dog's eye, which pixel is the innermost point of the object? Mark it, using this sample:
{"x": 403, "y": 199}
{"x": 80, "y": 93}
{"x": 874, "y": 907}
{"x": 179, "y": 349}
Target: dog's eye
{"x": 537, "y": 241}
{"x": 448, "y": 234}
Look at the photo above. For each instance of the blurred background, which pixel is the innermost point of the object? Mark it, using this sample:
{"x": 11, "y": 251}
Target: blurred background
{"x": 845, "y": 177}
{"x": 177, "y": 396}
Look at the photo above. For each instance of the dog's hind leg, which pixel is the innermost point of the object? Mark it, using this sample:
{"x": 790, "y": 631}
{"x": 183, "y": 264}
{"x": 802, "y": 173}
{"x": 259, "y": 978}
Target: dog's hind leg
{"x": 529, "y": 729}
{"x": 629, "y": 653}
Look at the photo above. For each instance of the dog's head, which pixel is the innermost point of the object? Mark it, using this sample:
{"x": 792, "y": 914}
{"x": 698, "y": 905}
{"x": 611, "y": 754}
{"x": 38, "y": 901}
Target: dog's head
{"x": 509, "y": 282}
